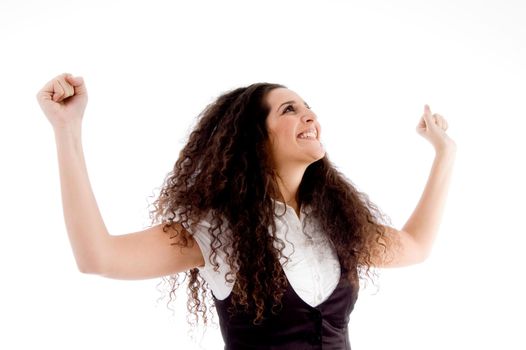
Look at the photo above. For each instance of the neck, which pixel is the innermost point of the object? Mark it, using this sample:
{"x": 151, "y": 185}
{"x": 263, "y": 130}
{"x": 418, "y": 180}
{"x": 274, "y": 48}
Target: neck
{"x": 289, "y": 179}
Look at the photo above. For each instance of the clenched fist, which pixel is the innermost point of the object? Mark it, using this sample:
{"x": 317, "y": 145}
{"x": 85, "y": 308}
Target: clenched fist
{"x": 433, "y": 128}
{"x": 63, "y": 100}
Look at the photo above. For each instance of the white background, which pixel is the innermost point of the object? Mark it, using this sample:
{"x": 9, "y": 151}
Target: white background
{"x": 367, "y": 68}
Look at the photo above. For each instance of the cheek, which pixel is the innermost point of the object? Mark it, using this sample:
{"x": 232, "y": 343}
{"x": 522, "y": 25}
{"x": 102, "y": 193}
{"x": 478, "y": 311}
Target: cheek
{"x": 285, "y": 138}
{"x": 286, "y": 131}
{"x": 281, "y": 134}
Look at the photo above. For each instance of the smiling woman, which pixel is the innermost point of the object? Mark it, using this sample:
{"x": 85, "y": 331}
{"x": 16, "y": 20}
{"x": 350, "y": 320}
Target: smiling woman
{"x": 253, "y": 211}
{"x": 294, "y": 134}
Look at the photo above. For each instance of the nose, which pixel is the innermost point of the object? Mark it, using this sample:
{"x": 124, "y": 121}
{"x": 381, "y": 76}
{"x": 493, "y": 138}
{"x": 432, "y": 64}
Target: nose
{"x": 308, "y": 116}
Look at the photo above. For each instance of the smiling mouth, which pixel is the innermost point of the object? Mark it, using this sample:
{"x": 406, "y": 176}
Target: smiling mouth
{"x": 310, "y": 134}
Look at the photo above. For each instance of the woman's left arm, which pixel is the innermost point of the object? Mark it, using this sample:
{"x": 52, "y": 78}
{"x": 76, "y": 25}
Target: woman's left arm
{"x": 418, "y": 234}
{"x": 423, "y": 224}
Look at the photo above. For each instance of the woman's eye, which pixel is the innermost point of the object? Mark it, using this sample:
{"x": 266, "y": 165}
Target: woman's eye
{"x": 287, "y": 108}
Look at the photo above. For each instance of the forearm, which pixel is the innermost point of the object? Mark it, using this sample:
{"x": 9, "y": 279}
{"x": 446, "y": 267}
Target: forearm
{"x": 85, "y": 226}
{"x": 424, "y": 222}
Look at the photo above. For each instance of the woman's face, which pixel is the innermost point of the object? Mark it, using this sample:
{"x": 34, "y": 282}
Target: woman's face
{"x": 293, "y": 129}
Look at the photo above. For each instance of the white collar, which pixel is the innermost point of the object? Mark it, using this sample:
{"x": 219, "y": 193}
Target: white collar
{"x": 305, "y": 208}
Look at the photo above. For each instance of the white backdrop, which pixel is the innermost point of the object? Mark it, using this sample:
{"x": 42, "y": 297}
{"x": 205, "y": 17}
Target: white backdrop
{"x": 366, "y": 68}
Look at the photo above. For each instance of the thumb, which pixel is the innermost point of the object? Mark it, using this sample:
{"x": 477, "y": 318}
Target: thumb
{"x": 78, "y": 84}
{"x": 428, "y": 117}
{"x": 427, "y": 109}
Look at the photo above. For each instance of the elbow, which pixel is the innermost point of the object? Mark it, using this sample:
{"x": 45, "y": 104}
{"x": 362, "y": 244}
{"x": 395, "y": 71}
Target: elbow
{"x": 91, "y": 261}
{"x": 90, "y": 267}
{"x": 86, "y": 269}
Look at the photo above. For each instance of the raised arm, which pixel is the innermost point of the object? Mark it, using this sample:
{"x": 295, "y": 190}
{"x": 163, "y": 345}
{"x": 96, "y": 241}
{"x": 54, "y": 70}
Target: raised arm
{"x": 144, "y": 254}
{"x": 419, "y": 233}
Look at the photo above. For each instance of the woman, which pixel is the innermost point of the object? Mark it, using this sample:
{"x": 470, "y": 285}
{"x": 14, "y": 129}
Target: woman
{"x": 255, "y": 212}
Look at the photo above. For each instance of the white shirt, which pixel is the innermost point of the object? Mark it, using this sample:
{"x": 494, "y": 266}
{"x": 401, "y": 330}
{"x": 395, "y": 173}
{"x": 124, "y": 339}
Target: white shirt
{"x": 313, "y": 269}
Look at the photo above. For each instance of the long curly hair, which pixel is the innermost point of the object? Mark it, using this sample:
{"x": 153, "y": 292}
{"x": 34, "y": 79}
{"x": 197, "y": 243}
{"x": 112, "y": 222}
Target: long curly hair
{"x": 225, "y": 169}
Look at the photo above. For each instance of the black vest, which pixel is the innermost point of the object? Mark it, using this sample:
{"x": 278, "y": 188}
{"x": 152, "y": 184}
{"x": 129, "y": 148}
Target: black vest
{"x": 297, "y": 326}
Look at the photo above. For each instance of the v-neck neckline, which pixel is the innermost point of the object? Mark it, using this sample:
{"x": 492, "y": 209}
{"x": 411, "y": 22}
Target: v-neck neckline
{"x": 338, "y": 285}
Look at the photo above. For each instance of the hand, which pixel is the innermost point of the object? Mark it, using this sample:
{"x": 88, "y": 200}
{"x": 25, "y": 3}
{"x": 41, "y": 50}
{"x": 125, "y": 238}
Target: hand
{"x": 63, "y": 100}
{"x": 433, "y": 128}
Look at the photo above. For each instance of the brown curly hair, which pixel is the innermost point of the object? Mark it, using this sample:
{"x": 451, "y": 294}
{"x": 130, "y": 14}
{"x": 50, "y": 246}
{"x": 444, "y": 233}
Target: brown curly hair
{"x": 225, "y": 169}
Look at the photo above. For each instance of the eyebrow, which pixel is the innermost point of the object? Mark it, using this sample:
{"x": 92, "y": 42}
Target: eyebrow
{"x": 284, "y": 103}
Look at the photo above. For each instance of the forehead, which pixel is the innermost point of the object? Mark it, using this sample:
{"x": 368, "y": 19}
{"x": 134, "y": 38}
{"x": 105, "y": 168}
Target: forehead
{"x": 277, "y": 96}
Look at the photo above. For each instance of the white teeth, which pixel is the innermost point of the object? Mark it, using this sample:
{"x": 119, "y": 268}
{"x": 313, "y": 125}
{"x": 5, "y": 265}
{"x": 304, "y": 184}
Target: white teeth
{"x": 307, "y": 135}
{"x": 310, "y": 134}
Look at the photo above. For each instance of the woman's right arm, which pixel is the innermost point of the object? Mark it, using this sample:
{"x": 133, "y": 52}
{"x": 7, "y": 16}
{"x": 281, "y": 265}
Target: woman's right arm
{"x": 143, "y": 254}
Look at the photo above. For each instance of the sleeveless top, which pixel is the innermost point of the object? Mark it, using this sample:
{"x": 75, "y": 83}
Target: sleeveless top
{"x": 296, "y": 326}
{"x": 317, "y": 302}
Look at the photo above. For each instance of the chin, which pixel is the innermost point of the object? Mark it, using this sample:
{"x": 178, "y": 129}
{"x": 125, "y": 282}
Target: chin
{"x": 318, "y": 152}
{"x": 318, "y": 157}
{"x": 322, "y": 152}
{"x": 321, "y": 157}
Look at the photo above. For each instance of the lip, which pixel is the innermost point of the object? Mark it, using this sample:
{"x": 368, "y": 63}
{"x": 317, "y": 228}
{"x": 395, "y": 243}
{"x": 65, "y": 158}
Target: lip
{"x": 316, "y": 139}
{"x": 309, "y": 129}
